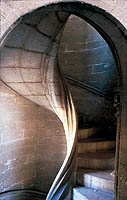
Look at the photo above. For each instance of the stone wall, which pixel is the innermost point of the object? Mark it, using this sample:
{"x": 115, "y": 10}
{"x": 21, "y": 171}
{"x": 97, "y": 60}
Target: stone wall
{"x": 33, "y": 138}
{"x": 110, "y": 18}
{"x": 86, "y": 57}
{"x": 32, "y": 144}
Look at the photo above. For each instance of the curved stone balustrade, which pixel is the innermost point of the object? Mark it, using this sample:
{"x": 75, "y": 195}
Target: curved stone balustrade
{"x": 29, "y": 67}
{"x": 26, "y": 37}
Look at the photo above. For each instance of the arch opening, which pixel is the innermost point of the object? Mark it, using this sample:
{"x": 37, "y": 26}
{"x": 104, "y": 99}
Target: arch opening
{"x": 46, "y": 41}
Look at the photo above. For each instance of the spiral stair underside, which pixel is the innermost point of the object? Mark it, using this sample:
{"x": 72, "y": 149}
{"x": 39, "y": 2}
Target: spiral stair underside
{"x": 29, "y": 67}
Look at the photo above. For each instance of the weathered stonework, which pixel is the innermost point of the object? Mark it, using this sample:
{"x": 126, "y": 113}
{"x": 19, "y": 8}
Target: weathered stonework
{"x": 26, "y": 132}
{"x": 86, "y": 57}
{"x": 110, "y": 19}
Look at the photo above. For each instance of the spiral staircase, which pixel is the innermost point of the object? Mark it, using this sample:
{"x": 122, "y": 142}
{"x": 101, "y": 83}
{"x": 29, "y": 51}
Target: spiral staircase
{"x": 44, "y": 85}
{"x": 96, "y": 155}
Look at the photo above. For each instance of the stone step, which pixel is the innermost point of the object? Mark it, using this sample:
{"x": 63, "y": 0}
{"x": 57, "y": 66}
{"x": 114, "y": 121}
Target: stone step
{"x": 96, "y": 179}
{"x": 83, "y": 193}
{"x": 97, "y": 160}
{"x": 88, "y": 132}
{"x": 95, "y": 144}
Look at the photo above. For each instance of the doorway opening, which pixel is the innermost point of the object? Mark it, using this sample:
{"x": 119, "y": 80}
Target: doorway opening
{"x": 90, "y": 70}
{"x": 93, "y": 80}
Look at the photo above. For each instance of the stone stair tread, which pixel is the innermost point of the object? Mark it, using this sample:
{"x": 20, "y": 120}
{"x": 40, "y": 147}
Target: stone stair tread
{"x": 97, "y": 155}
{"x": 103, "y": 174}
{"x": 93, "y": 140}
{"x": 88, "y": 128}
{"x": 88, "y": 132}
{"x": 93, "y": 145}
{"x": 96, "y": 179}
{"x": 83, "y": 193}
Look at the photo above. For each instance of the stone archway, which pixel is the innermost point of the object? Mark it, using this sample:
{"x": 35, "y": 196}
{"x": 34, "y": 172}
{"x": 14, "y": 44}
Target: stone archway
{"x": 114, "y": 32}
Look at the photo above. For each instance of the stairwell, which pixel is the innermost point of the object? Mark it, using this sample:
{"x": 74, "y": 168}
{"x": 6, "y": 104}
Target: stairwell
{"x": 96, "y": 157}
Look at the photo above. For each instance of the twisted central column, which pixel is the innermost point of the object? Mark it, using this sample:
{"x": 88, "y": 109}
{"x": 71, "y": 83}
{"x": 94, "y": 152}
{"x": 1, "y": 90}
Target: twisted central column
{"x": 29, "y": 67}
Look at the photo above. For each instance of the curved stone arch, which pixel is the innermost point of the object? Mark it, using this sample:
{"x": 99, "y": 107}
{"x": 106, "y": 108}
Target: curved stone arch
{"x": 116, "y": 36}
{"x": 66, "y": 114}
{"x": 12, "y": 11}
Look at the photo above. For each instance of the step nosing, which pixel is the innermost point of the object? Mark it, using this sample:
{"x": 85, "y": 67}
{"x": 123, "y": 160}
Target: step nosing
{"x": 98, "y": 177}
{"x": 89, "y": 193}
{"x": 98, "y": 174}
{"x": 97, "y": 154}
{"x": 91, "y": 140}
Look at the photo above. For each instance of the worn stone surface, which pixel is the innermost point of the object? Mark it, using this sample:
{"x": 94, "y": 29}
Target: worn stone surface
{"x": 88, "y": 194}
{"x": 32, "y": 144}
{"x": 86, "y": 57}
{"x": 114, "y": 33}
